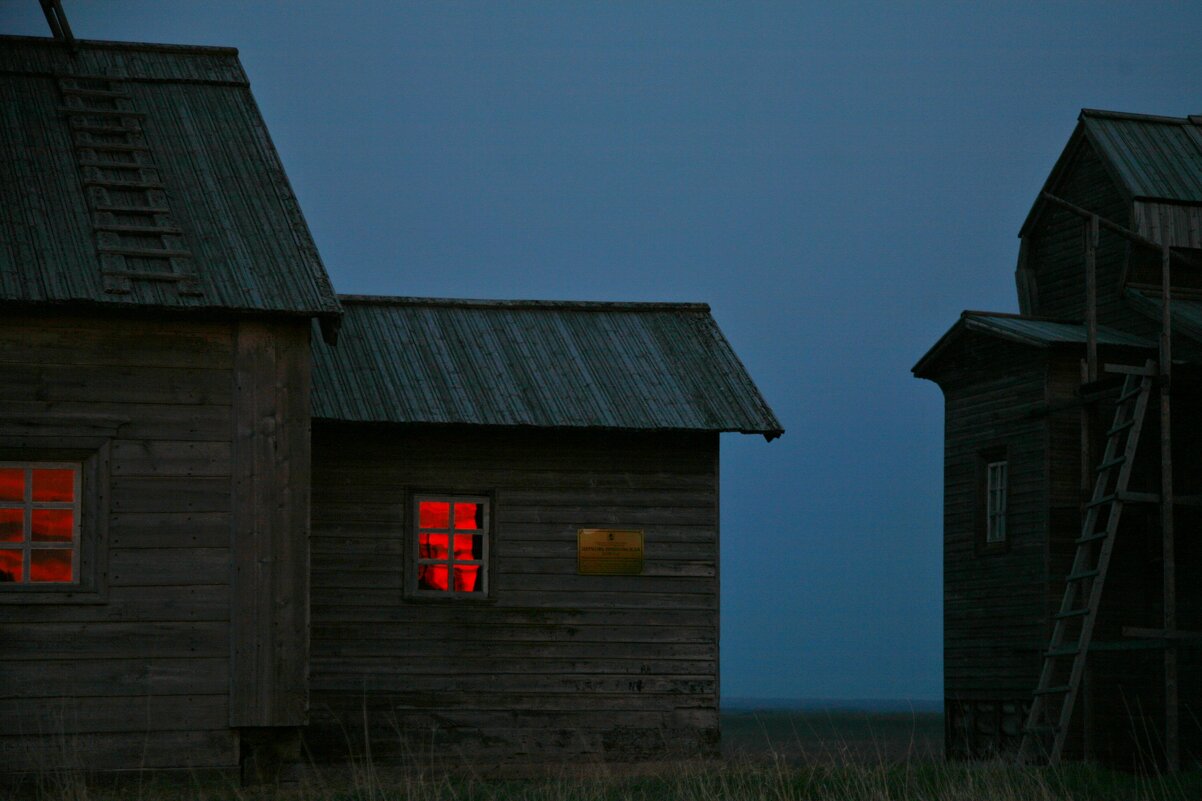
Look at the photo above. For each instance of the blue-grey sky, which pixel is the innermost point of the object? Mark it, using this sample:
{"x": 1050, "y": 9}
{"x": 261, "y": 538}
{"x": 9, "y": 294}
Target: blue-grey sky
{"x": 838, "y": 181}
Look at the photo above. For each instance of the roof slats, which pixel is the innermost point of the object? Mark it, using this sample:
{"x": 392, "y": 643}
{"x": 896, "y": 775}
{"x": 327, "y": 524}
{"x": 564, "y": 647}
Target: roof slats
{"x": 547, "y": 364}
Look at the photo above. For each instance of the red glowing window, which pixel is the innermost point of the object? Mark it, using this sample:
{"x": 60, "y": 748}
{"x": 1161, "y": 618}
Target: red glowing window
{"x": 452, "y": 545}
{"x": 39, "y": 523}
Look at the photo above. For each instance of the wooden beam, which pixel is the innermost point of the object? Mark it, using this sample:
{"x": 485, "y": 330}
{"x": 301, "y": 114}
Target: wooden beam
{"x": 1140, "y": 632}
{"x": 1091, "y": 298}
{"x": 1171, "y": 723}
{"x": 1126, "y": 233}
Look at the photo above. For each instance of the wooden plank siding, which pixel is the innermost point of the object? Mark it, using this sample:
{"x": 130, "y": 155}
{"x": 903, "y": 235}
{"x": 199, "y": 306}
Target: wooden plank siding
{"x": 132, "y": 679}
{"x": 994, "y": 617}
{"x": 270, "y": 633}
{"x": 1054, "y": 249}
{"x": 554, "y": 665}
{"x": 138, "y": 674}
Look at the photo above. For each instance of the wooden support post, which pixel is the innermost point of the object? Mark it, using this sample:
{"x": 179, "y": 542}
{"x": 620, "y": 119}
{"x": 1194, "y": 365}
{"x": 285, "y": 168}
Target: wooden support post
{"x": 1171, "y": 727}
{"x": 1091, "y": 297}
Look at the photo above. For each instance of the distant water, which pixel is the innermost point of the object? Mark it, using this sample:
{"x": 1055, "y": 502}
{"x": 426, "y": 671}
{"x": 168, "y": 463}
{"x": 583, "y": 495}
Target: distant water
{"x": 829, "y": 704}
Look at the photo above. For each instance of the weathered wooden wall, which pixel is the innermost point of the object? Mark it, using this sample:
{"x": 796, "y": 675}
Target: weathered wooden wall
{"x": 555, "y": 666}
{"x": 138, "y": 672}
{"x": 998, "y": 603}
{"x": 1054, "y": 249}
{"x": 993, "y": 609}
{"x": 1120, "y": 720}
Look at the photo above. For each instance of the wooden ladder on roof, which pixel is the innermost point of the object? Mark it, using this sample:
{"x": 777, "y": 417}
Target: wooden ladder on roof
{"x": 1074, "y": 622}
{"x": 136, "y": 236}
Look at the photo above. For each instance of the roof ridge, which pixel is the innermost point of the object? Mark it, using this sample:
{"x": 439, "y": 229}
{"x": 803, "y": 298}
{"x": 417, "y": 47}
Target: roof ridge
{"x": 484, "y": 303}
{"x": 104, "y": 44}
{"x": 1133, "y": 116}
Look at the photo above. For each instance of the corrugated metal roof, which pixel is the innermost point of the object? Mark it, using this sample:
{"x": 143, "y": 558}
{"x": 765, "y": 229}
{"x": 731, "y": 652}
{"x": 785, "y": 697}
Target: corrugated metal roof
{"x": 1043, "y": 333}
{"x": 79, "y": 211}
{"x": 1187, "y": 314}
{"x": 1032, "y": 331}
{"x": 529, "y": 363}
{"x": 1154, "y": 157}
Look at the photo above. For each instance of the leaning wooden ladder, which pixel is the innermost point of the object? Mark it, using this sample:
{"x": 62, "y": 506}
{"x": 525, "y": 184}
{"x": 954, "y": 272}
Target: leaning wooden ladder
{"x": 1088, "y": 574}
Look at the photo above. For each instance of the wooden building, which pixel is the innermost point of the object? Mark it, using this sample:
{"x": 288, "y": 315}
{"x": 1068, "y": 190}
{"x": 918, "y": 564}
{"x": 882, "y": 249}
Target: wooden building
{"x": 158, "y": 286}
{"x": 1070, "y": 622}
{"x": 515, "y": 427}
{"x": 515, "y": 506}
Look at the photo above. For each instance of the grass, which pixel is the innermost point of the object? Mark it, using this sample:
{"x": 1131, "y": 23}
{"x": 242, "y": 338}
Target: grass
{"x": 768, "y": 756}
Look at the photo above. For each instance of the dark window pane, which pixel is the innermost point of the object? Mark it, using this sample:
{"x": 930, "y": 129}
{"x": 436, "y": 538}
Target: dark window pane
{"x": 434, "y": 514}
{"x": 52, "y": 525}
{"x": 10, "y": 565}
{"x": 432, "y": 577}
{"x": 432, "y": 546}
{"x": 466, "y": 578}
{"x": 469, "y": 546}
{"x": 469, "y": 515}
{"x": 49, "y": 565}
{"x": 12, "y": 525}
{"x": 12, "y": 484}
{"x": 54, "y": 485}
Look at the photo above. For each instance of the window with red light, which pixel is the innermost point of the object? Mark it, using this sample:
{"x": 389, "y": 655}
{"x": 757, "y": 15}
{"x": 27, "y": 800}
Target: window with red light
{"x": 39, "y": 522}
{"x": 452, "y": 541}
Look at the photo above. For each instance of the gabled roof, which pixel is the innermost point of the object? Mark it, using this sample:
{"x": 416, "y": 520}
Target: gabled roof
{"x": 143, "y": 175}
{"x": 1157, "y": 158}
{"x": 1031, "y": 331}
{"x": 1150, "y": 157}
{"x": 643, "y": 366}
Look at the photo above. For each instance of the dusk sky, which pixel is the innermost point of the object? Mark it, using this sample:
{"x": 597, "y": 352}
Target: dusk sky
{"x": 837, "y": 180}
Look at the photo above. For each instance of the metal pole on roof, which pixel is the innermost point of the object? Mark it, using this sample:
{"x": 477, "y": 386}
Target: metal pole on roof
{"x": 56, "y": 18}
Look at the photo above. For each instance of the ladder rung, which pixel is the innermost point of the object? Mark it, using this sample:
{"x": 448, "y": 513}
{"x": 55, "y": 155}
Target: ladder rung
{"x": 1105, "y": 499}
{"x": 1055, "y": 653}
{"x": 1100, "y": 535}
{"x": 1061, "y": 690}
{"x": 1129, "y": 394}
{"x": 133, "y": 209}
{"x": 1130, "y": 369}
{"x": 148, "y": 253}
{"x": 122, "y": 184}
{"x": 101, "y": 112}
{"x": 140, "y": 229}
{"x": 1071, "y": 613}
{"x": 1084, "y": 574}
{"x": 1120, "y": 427}
{"x": 113, "y": 146}
{"x": 1104, "y": 466}
{"x": 75, "y": 90}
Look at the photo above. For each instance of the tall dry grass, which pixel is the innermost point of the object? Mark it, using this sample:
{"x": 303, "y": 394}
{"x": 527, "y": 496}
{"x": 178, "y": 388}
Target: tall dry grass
{"x": 770, "y": 778}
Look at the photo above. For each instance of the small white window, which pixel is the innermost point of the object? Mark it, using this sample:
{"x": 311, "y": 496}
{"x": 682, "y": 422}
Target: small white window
{"x": 995, "y": 502}
{"x": 39, "y": 522}
{"x": 452, "y": 533}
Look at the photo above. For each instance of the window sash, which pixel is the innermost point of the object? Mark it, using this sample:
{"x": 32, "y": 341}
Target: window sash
{"x": 995, "y": 501}
{"x": 451, "y": 562}
{"x": 28, "y": 505}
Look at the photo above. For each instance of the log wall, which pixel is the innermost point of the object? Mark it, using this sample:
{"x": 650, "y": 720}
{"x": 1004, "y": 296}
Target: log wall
{"x": 994, "y": 614}
{"x": 554, "y": 666}
{"x": 135, "y": 669}
{"x": 1054, "y": 249}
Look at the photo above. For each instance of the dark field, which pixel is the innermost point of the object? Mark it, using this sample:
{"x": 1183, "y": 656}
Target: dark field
{"x": 782, "y": 755}
{"x": 822, "y": 735}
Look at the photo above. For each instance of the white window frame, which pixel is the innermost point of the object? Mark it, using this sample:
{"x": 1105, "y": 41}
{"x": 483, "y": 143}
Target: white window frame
{"x": 28, "y": 505}
{"x": 485, "y": 532}
{"x": 997, "y": 479}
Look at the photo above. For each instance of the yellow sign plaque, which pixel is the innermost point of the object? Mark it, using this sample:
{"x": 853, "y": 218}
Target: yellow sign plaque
{"x": 609, "y": 552}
